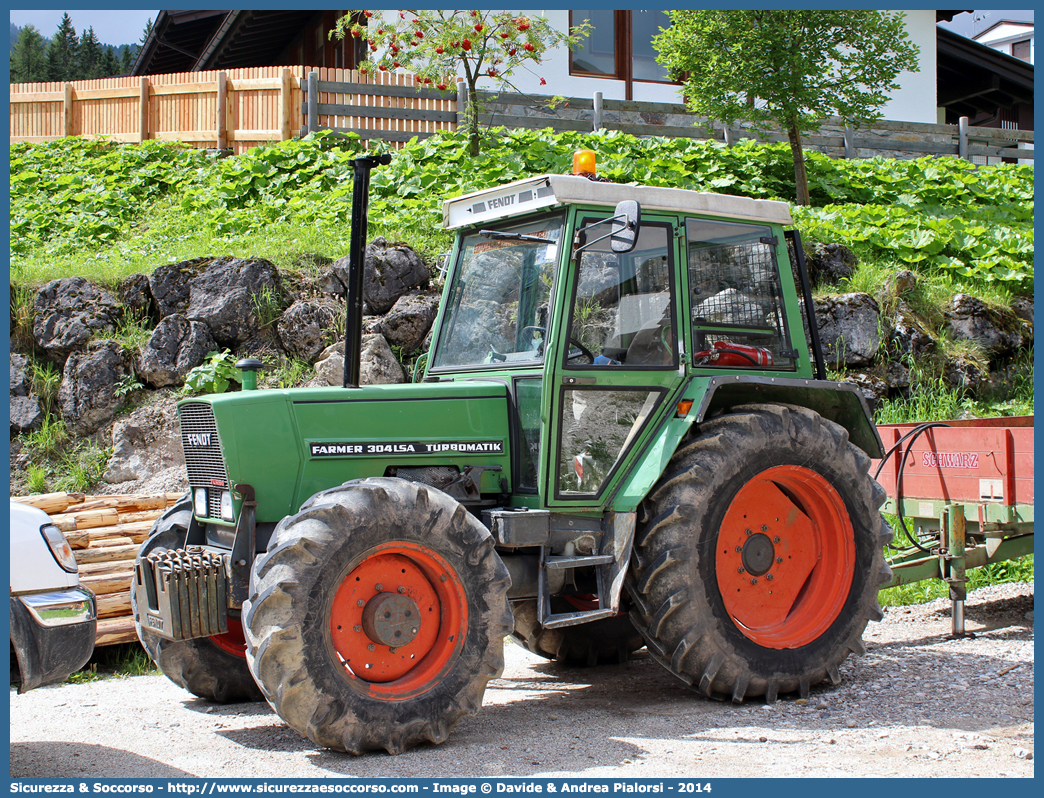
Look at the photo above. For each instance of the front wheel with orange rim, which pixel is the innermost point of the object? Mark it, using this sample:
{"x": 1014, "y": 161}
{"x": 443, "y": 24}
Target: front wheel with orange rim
{"x": 759, "y": 555}
{"x": 377, "y": 616}
{"x": 213, "y": 668}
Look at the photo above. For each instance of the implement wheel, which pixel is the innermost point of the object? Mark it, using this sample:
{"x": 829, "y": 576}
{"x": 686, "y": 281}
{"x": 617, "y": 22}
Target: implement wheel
{"x": 759, "y": 556}
{"x": 609, "y": 641}
{"x": 213, "y": 668}
{"x": 377, "y": 616}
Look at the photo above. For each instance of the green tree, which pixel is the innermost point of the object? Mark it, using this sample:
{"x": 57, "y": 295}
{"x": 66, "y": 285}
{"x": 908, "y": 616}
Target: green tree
{"x": 127, "y": 55}
{"x": 90, "y": 55}
{"x": 792, "y": 68}
{"x": 29, "y": 57}
{"x": 110, "y": 63}
{"x": 146, "y": 32}
{"x": 62, "y": 54}
{"x": 437, "y": 45}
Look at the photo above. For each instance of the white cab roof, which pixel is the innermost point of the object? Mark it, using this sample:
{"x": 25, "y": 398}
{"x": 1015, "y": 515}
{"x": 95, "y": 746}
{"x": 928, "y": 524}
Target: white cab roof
{"x": 545, "y": 191}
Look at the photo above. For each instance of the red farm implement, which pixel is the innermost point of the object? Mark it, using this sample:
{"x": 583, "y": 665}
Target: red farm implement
{"x": 963, "y": 493}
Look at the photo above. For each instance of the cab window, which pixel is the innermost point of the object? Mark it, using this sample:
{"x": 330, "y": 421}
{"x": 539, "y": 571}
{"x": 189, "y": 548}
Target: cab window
{"x": 735, "y": 299}
{"x": 623, "y": 313}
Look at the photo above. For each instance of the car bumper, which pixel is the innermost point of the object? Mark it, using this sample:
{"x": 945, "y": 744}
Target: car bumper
{"x": 52, "y": 634}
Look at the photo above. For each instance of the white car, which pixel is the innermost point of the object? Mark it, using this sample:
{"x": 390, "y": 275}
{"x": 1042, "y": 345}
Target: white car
{"x": 53, "y": 619}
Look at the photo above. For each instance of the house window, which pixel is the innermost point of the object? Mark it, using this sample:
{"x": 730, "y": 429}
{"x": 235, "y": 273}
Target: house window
{"x": 619, "y": 45}
{"x": 597, "y": 54}
{"x": 1021, "y": 50}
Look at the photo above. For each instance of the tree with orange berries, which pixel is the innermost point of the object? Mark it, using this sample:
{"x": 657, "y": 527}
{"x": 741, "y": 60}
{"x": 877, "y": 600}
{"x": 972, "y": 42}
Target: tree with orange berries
{"x": 436, "y": 46}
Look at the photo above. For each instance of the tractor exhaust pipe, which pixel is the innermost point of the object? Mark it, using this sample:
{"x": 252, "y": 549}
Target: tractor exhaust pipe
{"x": 356, "y": 253}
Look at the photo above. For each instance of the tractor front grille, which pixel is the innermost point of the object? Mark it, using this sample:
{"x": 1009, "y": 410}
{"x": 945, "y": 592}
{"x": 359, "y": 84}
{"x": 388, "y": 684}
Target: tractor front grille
{"x": 202, "y": 448}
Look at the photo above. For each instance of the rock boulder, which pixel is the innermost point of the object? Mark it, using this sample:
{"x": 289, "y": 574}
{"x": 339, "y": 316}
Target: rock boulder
{"x": 176, "y": 347}
{"x": 308, "y": 326}
{"x": 68, "y": 312}
{"x": 89, "y": 395}
{"x": 849, "y": 328}
{"x": 226, "y": 295}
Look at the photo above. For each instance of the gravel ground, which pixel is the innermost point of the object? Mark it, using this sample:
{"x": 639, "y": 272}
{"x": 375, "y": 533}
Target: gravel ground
{"x": 916, "y": 705}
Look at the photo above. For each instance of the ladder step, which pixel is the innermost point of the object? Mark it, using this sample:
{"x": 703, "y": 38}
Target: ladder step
{"x": 572, "y": 618}
{"x": 559, "y": 563}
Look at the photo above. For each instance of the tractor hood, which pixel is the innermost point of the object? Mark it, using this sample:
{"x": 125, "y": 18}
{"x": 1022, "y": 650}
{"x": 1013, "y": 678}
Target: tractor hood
{"x": 291, "y": 444}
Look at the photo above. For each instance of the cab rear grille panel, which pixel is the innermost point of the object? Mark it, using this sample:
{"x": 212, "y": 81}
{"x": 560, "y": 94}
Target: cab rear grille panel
{"x": 202, "y": 448}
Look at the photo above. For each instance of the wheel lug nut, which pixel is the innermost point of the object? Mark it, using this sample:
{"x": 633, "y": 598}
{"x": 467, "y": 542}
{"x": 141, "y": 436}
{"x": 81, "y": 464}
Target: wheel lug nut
{"x": 739, "y": 549}
{"x": 770, "y": 577}
{"x": 742, "y": 570}
{"x": 764, "y": 528}
{"x": 379, "y": 587}
{"x": 371, "y": 647}
{"x": 392, "y": 650}
{"x": 402, "y": 590}
{"x": 779, "y": 559}
{"x": 753, "y": 581}
{"x": 361, "y": 603}
{"x": 357, "y": 628}
{"x": 775, "y": 539}
{"x": 749, "y": 532}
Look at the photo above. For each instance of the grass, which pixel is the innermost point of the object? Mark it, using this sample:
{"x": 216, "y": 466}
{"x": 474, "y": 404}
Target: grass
{"x": 1020, "y": 570}
{"x": 166, "y": 235}
{"x": 119, "y": 661}
{"x": 59, "y": 462}
{"x": 132, "y": 332}
{"x": 931, "y": 399}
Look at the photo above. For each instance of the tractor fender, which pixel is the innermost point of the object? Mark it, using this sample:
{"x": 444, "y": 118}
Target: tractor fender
{"x": 839, "y": 402}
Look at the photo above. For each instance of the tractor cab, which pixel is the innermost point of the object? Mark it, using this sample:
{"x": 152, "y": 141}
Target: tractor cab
{"x": 601, "y": 307}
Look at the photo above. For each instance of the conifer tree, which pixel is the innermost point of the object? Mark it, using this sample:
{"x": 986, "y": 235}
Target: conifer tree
{"x": 29, "y": 57}
{"x": 62, "y": 54}
{"x": 89, "y": 57}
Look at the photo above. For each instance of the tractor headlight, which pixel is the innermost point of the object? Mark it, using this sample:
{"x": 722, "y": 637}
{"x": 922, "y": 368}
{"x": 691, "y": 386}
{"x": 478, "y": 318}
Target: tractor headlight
{"x": 226, "y": 506}
{"x": 199, "y": 502}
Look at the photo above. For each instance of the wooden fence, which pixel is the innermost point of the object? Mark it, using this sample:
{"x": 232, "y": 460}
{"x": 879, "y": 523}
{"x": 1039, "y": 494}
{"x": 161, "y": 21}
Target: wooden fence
{"x": 235, "y": 108}
{"x": 241, "y": 108}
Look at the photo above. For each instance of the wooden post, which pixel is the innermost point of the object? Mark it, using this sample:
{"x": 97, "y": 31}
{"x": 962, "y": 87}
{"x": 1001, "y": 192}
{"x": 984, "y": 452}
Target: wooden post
{"x": 597, "y": 121}
{"x": 962, "y": 138}
{"x": 68, "y": 109}
{"x": 849, "y": 143}
{"x": 313, "y": 101}
{"x": 222, "y": 110}
{"x": 143, "y": 111}
{"x": 462, "y": 102}
{"x": 729, "y": 141}
{"x": 286, "y": 88}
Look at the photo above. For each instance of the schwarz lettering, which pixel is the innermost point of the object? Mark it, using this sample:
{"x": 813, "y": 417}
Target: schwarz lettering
{"x": 345, "y": 449}
{"x": 950, "y": 459}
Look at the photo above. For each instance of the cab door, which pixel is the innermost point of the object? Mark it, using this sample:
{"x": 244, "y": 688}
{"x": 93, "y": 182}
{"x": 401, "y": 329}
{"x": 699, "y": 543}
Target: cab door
{"x": 616, "y": 363}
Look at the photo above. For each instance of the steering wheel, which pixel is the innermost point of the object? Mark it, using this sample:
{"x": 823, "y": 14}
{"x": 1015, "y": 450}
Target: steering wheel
{"x": 583, "y": 349}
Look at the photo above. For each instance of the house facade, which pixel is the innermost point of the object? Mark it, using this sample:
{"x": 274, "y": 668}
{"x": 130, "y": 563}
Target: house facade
{"x": 1011, "y": 37}
{"x": 617, "y": 59}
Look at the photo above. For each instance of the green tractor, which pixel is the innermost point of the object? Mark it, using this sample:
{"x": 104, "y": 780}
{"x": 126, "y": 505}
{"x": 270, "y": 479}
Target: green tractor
{"x": 621, "y": 437}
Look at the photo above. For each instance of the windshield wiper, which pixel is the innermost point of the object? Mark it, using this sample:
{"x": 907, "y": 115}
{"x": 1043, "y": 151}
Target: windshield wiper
{"x": 499, "y": 236}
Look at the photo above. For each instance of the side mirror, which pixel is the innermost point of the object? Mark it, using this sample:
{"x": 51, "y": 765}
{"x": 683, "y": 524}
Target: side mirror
{"x": 626, "y": 221}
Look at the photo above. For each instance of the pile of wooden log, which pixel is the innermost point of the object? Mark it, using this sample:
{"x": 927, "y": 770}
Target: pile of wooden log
{"x": 105, "y": 533}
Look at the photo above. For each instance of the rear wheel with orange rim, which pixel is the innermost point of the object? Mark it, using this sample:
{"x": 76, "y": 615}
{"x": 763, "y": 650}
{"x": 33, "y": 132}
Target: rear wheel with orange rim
{"x": 377, "y": 616}
{"x": 759, "y": 555}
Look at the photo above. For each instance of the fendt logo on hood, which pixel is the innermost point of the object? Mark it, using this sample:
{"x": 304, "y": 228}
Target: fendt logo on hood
{"x": 198, "y": 439}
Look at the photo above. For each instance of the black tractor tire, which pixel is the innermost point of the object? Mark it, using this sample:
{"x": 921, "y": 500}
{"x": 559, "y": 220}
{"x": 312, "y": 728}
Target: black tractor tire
{"x": 200, "y": 665}
{"x": 334, "y": 562}
{"x": 758, "y": 556}
{"x": 610, "y": 641}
